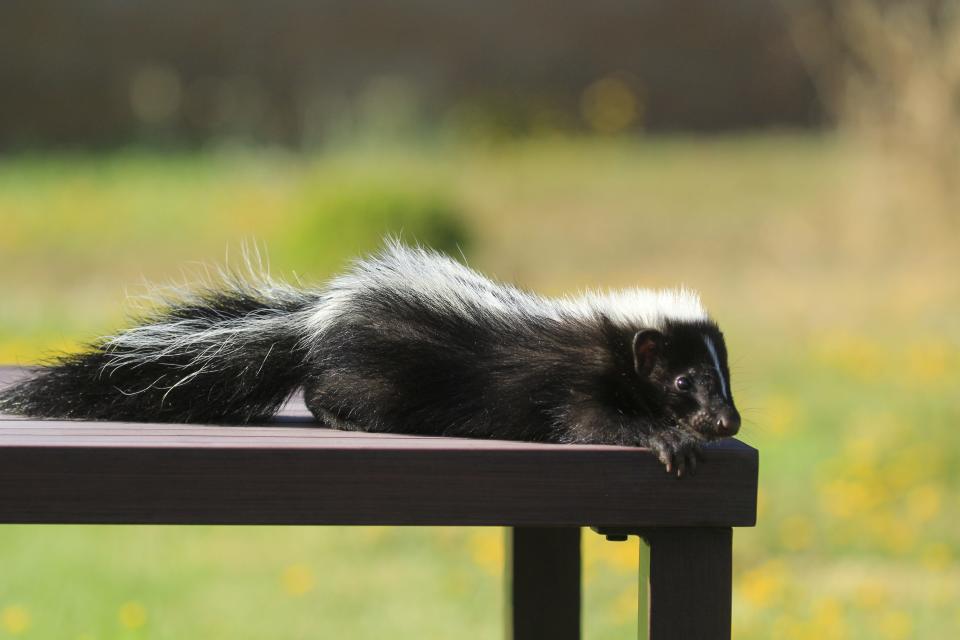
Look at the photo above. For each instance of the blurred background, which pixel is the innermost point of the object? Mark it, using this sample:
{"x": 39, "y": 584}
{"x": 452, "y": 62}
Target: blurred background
{"x": 798, "y": 162}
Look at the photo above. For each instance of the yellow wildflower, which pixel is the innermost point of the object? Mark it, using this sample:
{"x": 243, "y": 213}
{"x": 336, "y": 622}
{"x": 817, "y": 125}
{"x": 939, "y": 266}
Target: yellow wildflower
{"x": 852, "y": 355}
{"x": 132, "y": 615}
{"x": 923, "y": 503}
{"x": 624, "y": 606}
{"x": 828, "y": 619}
{"x": 297, "y": 579}
{"x": 761, "y": 503}
{"x": 914, "y": 463}
{"x": 862, "y": 447}
{"x": 610, "y": 105}
{"x": 15, "y": 619}
{"x": 937, "y": 557}
{"x": 872, "y": 596}
{"x": 895, "y": 625}
{"x": 895, "y": 534}
{"x": 928, "y": 362}
{"x": 486, "y": 546}
{"x": 796, "y": 533}
{"x": 764, "y": 584}
{"x": 847, "y": 498}
{"x": 781, "y": 414}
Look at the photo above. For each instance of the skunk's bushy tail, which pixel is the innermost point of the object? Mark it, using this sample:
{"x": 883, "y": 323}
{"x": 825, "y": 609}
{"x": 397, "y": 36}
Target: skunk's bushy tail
{"x": 230, "y": 353}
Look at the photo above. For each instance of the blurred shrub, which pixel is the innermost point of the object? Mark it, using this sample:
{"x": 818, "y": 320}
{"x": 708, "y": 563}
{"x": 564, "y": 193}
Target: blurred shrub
{"x": 888, "y": 71}
{"x": 343, "y": 217}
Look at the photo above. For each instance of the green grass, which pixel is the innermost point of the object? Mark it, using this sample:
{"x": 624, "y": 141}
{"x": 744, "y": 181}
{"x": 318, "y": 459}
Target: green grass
{"x": 267, "y": 582}
{"x": 841, "y": 321}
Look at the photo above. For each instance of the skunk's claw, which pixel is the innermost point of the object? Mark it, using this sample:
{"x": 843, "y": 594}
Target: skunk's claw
{"x": 677, "y": 452}
{"x": 693, "y": 455}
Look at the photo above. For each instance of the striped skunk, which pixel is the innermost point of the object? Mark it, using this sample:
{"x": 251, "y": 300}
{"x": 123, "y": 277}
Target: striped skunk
{"x": 410, "y": 341}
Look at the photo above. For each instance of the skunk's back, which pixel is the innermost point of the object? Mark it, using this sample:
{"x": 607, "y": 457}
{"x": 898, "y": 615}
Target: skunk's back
{"x": 412, "y": 278}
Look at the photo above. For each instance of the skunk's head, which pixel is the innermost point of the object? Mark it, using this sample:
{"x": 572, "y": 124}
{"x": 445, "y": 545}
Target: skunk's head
{"x": 685, "y": 366}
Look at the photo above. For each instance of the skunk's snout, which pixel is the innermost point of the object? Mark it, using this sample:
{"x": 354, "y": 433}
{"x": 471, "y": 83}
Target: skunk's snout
{"x": 728, "y": 422}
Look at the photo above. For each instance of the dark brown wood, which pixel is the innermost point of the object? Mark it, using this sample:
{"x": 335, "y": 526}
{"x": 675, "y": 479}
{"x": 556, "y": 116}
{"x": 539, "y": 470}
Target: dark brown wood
{"x": 689, "y": 588}
{"x": 82, "y": 480}
{"x": 544, "y": 574}
{"x": 294, "y": 472}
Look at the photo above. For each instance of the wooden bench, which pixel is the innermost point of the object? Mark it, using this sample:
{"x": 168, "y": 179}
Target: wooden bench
{"x": 295, "y": 473}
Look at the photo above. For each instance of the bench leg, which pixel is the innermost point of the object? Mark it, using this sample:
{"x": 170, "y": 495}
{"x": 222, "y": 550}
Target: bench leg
{"x": 689, "y": 587}
{"x": 544, "y": 583}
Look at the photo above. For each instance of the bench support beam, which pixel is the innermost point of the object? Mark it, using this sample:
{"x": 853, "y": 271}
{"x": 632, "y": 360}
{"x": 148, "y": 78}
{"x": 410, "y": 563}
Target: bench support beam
{"x": 689, "y": 586}
{"x": 544, "y": 583}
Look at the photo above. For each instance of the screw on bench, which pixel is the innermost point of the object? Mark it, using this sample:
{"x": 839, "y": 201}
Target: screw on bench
{"x": 612, "y": 534}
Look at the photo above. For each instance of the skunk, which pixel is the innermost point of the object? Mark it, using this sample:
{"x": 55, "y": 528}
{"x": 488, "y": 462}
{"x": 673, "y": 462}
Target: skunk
{"x": 411, "y": 341}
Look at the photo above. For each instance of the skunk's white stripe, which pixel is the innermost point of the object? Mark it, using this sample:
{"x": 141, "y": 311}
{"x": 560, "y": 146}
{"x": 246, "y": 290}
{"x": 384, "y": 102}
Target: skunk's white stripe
{"x": 437, "y": 281}
{"x": 716, "y": 365}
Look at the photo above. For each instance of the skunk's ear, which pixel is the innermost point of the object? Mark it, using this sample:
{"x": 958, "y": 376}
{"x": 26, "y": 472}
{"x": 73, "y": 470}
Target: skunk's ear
{"x": 647, "y": 346}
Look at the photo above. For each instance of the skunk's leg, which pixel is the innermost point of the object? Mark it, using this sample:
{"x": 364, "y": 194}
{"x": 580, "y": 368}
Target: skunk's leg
{"x": 678, "y": 450}
{"x": 332, "y": 419}
{"x": 319, "y": 403}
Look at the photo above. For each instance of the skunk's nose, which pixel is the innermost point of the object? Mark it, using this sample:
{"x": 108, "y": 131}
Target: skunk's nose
{"x": 728, "y": 423}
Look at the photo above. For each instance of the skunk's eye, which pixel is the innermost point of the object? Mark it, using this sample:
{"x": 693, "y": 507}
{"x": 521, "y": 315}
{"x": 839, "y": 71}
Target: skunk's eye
{"x": 683, "y": 383}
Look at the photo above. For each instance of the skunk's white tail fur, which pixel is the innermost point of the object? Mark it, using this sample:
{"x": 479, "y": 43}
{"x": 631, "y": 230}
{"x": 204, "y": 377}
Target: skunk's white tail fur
{"x": 228, "y": 352}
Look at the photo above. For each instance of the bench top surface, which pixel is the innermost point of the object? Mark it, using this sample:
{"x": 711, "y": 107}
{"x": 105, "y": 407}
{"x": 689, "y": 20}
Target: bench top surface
{"x": 294, "y": 471}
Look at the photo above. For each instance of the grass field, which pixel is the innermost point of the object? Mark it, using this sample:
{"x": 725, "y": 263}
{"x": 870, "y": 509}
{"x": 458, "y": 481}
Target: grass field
{"x": 840, "y": 313}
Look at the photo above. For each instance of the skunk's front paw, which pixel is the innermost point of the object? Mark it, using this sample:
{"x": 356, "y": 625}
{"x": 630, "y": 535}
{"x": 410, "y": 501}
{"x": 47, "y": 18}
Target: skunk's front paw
{"x": 677, "y": 451}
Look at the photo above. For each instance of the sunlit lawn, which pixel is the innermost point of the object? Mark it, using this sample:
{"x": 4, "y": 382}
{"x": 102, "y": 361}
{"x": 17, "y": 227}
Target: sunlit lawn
{"x": 844, "y": 345}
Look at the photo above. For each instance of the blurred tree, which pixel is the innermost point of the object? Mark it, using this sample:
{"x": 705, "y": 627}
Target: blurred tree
{"x": 104, "y": 72}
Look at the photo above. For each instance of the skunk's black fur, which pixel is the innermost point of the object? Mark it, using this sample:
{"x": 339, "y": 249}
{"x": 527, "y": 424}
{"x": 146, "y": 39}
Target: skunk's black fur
{"x": 412, "y": 342}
